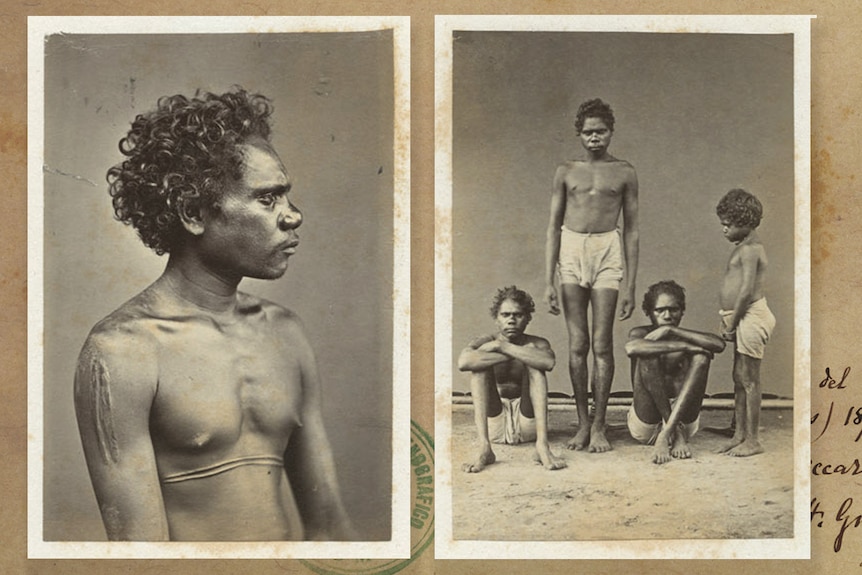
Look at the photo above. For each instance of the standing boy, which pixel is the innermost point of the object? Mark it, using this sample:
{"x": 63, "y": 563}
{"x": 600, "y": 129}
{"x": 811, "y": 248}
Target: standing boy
{"x": 746, "y": 319}
{"x": 508, "y": 383}
{"x": 583, "y": 243}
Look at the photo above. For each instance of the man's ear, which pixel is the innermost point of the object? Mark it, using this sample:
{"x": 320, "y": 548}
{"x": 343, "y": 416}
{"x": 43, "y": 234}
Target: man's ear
{"x": 191, "y": 216}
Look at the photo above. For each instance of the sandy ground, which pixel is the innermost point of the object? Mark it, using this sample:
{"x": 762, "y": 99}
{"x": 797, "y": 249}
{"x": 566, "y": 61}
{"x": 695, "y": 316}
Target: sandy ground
{"x": 621, "y": 494}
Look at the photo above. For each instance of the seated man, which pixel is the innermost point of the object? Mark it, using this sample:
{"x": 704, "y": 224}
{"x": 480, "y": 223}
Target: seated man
{"x": 668, "y": 362}
{"x": 508, "y": 383}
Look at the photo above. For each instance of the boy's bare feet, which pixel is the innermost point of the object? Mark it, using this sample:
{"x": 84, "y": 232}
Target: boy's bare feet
{"x": 580, "y": 440}
{"x": 746, "y": 448}
{"x": 598, "y": 440}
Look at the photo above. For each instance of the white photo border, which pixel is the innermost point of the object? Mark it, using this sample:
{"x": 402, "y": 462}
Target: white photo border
{"x": 399, "y": 544}
{"x": 797, "y": 547}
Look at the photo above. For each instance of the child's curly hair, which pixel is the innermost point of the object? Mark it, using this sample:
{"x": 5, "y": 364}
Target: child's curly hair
{"x": 740, "y": 208}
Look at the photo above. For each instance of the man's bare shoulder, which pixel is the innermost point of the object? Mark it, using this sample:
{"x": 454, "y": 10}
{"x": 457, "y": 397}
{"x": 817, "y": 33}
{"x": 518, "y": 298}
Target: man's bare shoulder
{"x": 275, "y": 315}
{"x": 479, "y": 341}
{"x": 125, "y": 326}
{"x": 122, "y": 344}
{"x": 536, "y": 341}
{"x": 640, "y": 331}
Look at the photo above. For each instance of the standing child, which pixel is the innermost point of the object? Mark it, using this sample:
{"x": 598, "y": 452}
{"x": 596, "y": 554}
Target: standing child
{"x": 745, "y": 317}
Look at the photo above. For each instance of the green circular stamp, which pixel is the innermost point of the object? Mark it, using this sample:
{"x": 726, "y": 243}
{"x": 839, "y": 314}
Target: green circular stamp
{"x": 421, "y": 516}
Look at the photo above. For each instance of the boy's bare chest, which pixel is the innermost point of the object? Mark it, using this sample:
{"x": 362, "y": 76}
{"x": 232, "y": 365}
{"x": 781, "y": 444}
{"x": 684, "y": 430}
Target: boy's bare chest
{"x": 595, "y": 180}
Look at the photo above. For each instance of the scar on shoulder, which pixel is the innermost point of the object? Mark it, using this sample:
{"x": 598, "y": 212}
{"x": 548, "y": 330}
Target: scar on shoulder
{"x": 96, "y": 380}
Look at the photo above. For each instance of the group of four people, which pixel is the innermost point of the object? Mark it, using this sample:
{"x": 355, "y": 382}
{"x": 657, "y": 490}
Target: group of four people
{"x": 669, "y": 363}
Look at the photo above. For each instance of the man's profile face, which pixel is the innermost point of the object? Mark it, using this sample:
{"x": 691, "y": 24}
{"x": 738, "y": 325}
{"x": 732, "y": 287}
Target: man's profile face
{"x": 667, "y": 311}
{"x": 595, "y": 135}
{"x": 251, "y": 231}
{"x": 511, "y": 319}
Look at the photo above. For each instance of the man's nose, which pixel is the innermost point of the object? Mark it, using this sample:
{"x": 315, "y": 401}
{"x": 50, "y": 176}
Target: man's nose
{"x": 290, "y": 218}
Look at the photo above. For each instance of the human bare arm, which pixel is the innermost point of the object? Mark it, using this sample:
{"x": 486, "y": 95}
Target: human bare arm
{"x": 631, "y": 243}
{"x": 639, "y": 345}
{"x": 748, "y": 259}
{"x": 115, "y": 383}
{"x": 477, "y": 357}
{"x": 552, "y": 238}
{"x": 535, "y": 352}
{"x": 308, "y": 459}
{"x": 708, "y": 341}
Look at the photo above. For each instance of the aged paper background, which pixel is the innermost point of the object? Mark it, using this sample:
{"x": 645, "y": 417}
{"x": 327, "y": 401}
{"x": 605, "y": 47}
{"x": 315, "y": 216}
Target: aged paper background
{"x": 835, "y": 122}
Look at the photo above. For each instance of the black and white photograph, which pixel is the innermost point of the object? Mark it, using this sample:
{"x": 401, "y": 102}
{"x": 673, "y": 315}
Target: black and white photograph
{"x": 622, "y": 301}
{"x": 219, "y": 287}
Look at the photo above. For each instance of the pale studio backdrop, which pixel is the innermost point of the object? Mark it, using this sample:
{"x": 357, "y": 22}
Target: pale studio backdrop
{"x": 696, "y": 114}
{"x": 333, "y": 126}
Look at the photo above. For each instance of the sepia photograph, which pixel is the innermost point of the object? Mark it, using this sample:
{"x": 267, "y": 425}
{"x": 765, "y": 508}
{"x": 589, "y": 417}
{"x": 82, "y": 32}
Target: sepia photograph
{"x": 622, "y": 286}
{"x": 219, "y": 298}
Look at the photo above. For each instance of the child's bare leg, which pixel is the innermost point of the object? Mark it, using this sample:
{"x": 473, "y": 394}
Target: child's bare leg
{"x": 484, "y": 391}
{"x": 604, "y": 302}
{"x": 740, "y": 401}
{"x": 751, "y": 440}
{"x": 538, "y": 395}
{"x": 575, "y": 300}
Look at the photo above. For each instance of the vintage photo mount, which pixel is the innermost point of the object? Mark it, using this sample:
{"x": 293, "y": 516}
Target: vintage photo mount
{"x": 446, "y": 547}
{"x": 399, "y": 544}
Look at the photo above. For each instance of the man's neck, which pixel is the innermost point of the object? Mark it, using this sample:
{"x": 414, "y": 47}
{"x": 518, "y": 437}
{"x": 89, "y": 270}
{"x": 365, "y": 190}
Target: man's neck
{"x": 195, "y": 284}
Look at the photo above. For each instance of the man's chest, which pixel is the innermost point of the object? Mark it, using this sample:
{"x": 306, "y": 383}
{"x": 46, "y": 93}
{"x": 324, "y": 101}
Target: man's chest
{"x": 214, "y": 389}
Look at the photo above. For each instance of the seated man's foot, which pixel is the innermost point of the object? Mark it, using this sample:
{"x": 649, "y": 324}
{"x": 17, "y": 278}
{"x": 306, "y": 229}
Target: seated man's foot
{"x": 746, "y": 448}
{"x": 486, "y": 458}
{"x": 661, "y": 452}
{"x": 680, "y": 449}
{"x": 580, "y": 440}
{"x": 544, "y": 457}
{"x": 598, "y": 440}
{"x": 736, "y": 440}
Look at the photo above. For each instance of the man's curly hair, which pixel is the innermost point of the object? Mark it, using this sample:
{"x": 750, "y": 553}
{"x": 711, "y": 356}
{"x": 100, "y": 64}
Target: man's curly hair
{"x": 669, "y": 287}
{"x": 178, "y": 157}
{"x": 594, "y": 108}
{"x": 518, "y": 296}
{"x": 740, "y": 208}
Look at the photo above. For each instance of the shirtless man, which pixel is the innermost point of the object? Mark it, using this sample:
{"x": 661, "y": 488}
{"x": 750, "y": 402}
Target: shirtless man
{"x": 670, "y": 367}
{"x": 199, "y": 405}
{"x": 508, "y": 383}
{"x": 583, "y": 247}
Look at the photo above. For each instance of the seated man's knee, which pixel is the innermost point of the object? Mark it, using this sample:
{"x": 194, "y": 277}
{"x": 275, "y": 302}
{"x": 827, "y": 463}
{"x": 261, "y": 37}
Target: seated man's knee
{"x": 537, "y": 375}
